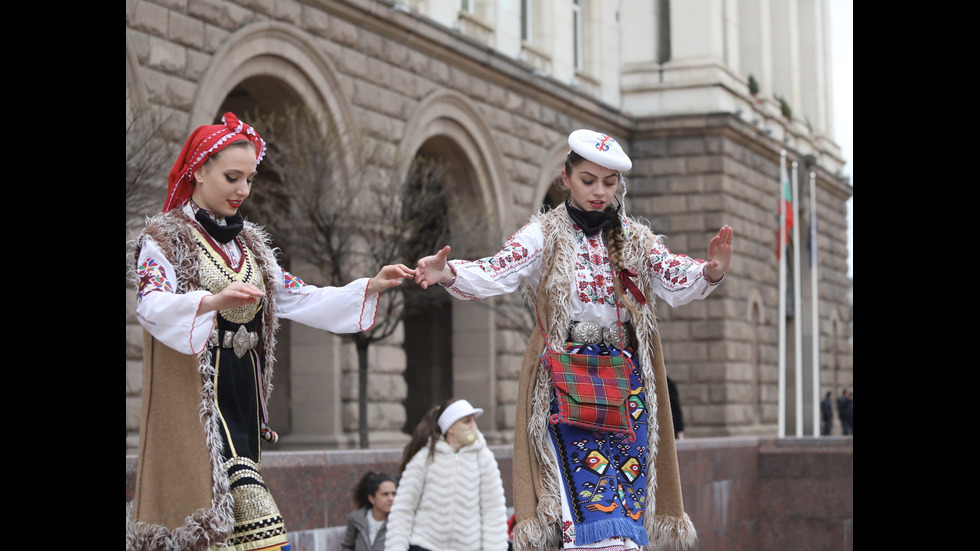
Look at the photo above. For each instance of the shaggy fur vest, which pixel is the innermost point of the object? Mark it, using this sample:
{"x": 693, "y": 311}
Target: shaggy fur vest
{"x": 537, "y": 490}
{"x": 182, "y": 498}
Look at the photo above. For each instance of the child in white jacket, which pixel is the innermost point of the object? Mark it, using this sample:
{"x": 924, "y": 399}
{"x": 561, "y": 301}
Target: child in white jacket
{"x": 450, "y": 496}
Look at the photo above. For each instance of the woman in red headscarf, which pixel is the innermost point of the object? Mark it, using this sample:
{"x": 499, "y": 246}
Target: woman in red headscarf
{"x": 210, "y": 293}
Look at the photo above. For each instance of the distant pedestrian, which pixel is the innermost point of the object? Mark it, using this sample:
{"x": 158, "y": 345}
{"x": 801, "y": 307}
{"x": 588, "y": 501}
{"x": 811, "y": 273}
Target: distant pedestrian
{"x": 373, "y": 496}
{"x": 827, "y": 414}
{"x": 845, "y": 410}
{"x": 676, "y": 413}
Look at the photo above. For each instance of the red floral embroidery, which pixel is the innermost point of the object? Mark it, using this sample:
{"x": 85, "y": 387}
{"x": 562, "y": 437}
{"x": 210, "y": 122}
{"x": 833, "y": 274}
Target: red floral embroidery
{"x": 510, "y": 256}
{"x": 593, "y": 273}
{"x": 568, "y": 532}
{"x": 673, "y": 269}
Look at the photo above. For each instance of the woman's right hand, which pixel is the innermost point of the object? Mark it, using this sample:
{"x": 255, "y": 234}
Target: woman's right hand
{"x": 389, "y": 276}
{"x": 234, "y": 295}
{"x": 433, "y": 269}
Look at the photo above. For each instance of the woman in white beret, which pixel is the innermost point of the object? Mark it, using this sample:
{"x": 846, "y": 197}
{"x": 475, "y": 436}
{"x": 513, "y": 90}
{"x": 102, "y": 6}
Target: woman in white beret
{"x": 595, "y": 465}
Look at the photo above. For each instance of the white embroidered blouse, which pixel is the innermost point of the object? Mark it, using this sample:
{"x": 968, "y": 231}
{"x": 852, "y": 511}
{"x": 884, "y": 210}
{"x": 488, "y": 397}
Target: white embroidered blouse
{"x": 678, "y": 279}
{"x": 175, "y": 321}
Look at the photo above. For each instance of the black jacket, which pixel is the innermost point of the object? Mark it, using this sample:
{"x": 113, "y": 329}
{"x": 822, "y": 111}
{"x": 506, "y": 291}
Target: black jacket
{"x": 675, "y": 406}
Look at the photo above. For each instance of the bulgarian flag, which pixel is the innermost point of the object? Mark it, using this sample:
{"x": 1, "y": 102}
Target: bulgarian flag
{"x": 785, "y": 209}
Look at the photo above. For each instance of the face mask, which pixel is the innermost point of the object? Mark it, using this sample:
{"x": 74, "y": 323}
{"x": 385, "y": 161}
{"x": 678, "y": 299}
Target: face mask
{"x": 458, "y": 439}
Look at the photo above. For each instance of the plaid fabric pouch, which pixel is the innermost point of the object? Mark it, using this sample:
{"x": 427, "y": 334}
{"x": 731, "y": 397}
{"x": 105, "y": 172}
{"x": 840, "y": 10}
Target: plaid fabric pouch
{"x": 592, "y": 391}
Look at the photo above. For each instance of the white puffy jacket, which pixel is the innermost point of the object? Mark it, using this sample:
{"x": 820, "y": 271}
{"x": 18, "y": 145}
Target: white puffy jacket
{"x": 453, "y": 502}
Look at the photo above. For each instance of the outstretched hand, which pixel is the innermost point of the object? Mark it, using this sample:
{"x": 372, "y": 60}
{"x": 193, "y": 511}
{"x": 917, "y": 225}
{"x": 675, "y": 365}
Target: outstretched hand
{"x": 432, "y": 269}
{"x": 236, "y": 294}
{"x": 719, "y": 253}
{"x": 389, "y": 276}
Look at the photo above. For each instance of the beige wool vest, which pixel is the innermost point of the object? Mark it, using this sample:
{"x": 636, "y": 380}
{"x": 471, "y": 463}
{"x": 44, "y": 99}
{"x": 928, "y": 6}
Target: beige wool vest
{"x": 182, "y": 499}
{"x": 537, "y": 490}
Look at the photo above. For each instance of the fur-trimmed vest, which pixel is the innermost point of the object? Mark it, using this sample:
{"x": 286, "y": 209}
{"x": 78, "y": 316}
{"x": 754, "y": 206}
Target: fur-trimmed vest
{"x": 537, "y": 490}
{"x": 182, "y": 498}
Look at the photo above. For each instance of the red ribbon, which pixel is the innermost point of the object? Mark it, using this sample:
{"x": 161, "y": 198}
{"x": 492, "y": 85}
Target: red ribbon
{"x": 625, "y": 276}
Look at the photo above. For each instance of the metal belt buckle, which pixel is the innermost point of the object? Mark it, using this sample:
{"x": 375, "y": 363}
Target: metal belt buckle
{"x": 240, "y": 341}
{"x": 244, "y": 340}
{"x": 586, "y": 332}
{"x": 589, "y": 332}
{"x": 611, "y": 335}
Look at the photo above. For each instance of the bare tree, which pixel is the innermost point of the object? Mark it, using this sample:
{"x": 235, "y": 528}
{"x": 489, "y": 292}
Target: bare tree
{"x": 348, "y": 210}
{"x": 149, "y": 155}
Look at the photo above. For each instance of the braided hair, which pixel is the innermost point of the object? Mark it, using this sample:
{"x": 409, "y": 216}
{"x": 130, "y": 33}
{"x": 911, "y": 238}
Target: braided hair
{"x": 615, "y": 240}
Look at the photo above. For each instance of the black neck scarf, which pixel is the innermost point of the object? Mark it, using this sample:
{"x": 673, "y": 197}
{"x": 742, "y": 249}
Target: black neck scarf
{"x": 221, "y": 234}
{"x": 592, "y": 221}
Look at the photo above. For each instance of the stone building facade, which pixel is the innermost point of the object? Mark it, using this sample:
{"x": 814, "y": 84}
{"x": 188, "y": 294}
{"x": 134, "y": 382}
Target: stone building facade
{"x": 495, "y": 87}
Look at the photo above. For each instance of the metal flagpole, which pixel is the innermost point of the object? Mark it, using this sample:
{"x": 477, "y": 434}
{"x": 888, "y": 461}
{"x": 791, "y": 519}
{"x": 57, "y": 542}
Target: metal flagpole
{"x": 797, "y": 301}
{"x": 781, "y": 320}
{"x": 815, "y": 304}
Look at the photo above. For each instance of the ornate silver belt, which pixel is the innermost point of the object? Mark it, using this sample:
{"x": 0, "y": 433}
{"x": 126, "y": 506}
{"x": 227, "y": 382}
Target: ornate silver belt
{"x": 590, "y": 332}
{"x": 240, "y": 341}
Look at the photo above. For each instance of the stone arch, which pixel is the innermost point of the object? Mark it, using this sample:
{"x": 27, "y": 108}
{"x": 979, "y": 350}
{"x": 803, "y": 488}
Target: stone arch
{"x": 756, "y": 308}
{"x": 835, "y": 322}
{"x": 447, "y": 126}
{"x": 280, "y": 52}
{"x": 554, "y": 162}
{"x": 755, "y": 316}
{"x": 832, "y": 345}
{"x": 450, "y": 115}
{"x": 269, "y": 65}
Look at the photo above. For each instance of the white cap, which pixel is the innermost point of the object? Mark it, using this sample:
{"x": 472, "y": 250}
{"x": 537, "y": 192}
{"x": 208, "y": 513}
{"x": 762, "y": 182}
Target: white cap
{"x": 599, "y": 148}
{"x": 456, "y": 411}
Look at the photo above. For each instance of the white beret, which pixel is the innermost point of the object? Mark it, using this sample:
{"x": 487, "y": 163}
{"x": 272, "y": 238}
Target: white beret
{"x": 599, "y": 148}
{"x": 456, "y": 411}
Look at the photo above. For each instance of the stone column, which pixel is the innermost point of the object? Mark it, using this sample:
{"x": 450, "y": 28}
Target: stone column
{"x": 755, "y": 46}
{"x": 785, "y": 52}
{"x": 680, "y": 73}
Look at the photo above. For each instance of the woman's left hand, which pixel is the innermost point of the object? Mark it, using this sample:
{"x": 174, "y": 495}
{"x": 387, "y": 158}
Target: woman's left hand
{"x": 719, "y": 253}
{"x": 389, "y": 276}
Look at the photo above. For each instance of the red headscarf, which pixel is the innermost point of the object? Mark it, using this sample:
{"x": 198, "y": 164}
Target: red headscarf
{"x": 202, "y": 144}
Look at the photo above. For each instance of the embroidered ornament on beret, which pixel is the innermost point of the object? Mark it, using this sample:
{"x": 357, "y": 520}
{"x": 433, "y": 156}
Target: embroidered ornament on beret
{"x": 599, "y": 148}
{"x": 201, "y": 145}
{"x": 456, "y": 411}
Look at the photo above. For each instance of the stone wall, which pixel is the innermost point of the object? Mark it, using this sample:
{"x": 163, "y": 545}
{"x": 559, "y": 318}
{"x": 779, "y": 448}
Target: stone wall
{"x": 742, "y": 493}
{"x": 406, "y": 84}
